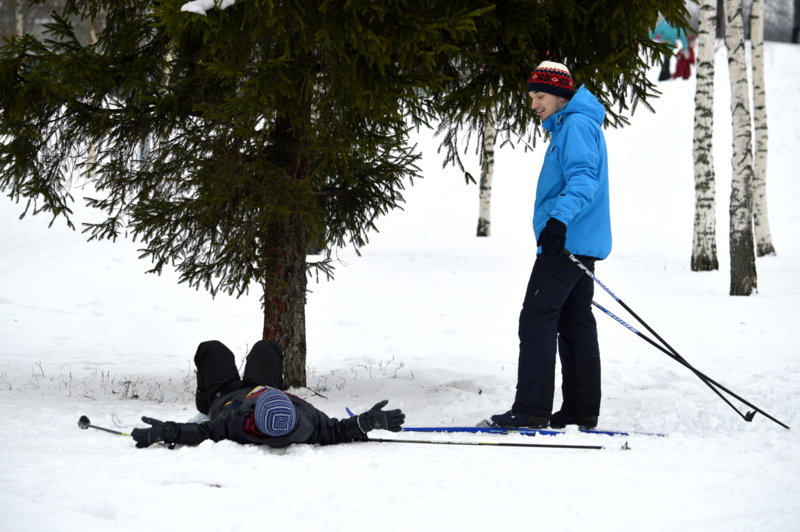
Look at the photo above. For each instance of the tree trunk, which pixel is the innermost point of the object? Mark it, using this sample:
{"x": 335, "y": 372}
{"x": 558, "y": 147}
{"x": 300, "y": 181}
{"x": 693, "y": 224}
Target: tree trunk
{"x": 286, "y": 244}
{"x": 720, "y": 19}
{"x": 743, "y": 263}
{"x": 487, "y": 173}
{"x": 796, "y": 28}
{"x": 285, "y": 298}
{"x": 19, "y": 17}
{"x": 704, "y": 245}
{"x": 91, "y": 156}
{"x": 760, "y": 218}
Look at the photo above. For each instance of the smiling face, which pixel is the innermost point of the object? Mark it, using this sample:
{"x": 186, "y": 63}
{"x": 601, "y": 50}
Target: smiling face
{"x": 545, "y": 104}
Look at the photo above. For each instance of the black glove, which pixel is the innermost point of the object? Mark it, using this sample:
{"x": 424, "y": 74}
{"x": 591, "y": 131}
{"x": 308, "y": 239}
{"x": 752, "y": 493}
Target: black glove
{"x": 159, "y": 431}
{"x": 375, "y": 418}
{"x": 553, "y": 237}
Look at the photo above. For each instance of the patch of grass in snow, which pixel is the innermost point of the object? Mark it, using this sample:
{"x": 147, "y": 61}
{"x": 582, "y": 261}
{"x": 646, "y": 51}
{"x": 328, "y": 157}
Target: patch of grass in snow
{"x": 337, "y": 378}
{"x": 97, "y": 383}
{"x": 102, "y": 384}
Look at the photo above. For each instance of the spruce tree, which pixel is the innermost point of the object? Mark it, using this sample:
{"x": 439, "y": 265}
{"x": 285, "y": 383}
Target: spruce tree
{"x": 604, "y": 43}
{"x": 269, "y": 124}
{"x": 229, "y": 143}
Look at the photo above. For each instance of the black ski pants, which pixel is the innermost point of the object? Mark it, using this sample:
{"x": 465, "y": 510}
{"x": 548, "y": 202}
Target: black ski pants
{"x": 557, "y": 315}
{"x": 217, "y": 374}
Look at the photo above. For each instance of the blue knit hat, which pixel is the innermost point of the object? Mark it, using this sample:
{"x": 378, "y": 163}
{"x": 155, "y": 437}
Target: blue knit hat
{"x": 275, "y": 413}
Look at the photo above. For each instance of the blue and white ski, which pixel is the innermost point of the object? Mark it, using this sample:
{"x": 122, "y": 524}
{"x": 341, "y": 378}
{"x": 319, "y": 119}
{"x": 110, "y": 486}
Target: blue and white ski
{"x": 528, "y": 431}
{"x": 485, "y": 427}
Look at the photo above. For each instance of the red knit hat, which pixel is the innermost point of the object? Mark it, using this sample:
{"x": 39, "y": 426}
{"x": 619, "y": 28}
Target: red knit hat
{"x": 552, "y": 78}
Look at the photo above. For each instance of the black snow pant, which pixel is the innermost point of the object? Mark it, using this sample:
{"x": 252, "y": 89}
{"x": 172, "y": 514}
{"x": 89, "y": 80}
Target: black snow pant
{"x": 665, "y": 73}
{"x": 557, "y": 314}
{"x": 217, "y": 374}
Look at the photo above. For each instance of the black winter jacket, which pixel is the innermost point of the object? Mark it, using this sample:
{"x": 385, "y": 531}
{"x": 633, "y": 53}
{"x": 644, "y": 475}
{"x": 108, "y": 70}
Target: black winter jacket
{"x": 230, "y": 412}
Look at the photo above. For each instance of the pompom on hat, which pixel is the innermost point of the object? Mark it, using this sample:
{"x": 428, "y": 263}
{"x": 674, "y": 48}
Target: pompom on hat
{"x": 552, "y": 78}
{"x": 275, "y": 413}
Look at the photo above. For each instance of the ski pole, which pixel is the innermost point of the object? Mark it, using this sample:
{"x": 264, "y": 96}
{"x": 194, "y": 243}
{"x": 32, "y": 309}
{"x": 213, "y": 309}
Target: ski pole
{"x": 672, "y": 352}
{"x": 707, "y": 380}
{"x": 494, "y": 444}
{"x": 715, "y": 386}
{"x": 84, "y": 423}
{"x": 711, "y": 383}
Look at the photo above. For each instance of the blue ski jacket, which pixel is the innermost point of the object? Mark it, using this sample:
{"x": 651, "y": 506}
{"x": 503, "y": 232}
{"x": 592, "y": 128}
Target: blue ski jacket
{"x": 573, "y": 183}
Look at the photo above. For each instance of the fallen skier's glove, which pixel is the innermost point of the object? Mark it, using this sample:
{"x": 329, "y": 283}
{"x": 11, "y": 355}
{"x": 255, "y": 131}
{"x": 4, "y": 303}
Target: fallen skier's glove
{"x": 159, "y": 431}
{"x": 375, "y": 418}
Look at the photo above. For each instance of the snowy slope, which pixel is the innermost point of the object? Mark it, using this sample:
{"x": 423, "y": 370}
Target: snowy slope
{"x": 426, "y": 317}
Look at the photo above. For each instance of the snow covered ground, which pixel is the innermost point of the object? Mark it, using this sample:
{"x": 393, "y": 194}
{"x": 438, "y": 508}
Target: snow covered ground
{"x": 426, "y": 318}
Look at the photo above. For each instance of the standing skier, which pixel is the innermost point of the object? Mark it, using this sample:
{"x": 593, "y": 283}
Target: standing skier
{"x": 255, "y": 410}
{"x": 571, "y": 212}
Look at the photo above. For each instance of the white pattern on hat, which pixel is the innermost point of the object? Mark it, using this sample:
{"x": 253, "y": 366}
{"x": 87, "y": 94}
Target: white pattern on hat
{"x": 553, "y": 78}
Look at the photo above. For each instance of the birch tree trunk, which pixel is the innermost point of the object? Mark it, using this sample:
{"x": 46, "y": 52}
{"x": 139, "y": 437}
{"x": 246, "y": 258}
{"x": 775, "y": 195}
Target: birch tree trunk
{"x": 19, "y": 17}
{"x": 91, "y": 156}
{"x": 743, "y": 262}
{"x": 704, "y": 245}
{"x": 487, "y": 173}
{"x": 760, "y": 218}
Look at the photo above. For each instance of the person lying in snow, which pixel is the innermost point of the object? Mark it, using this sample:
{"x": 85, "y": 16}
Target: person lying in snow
{"x": 255, "y": 410}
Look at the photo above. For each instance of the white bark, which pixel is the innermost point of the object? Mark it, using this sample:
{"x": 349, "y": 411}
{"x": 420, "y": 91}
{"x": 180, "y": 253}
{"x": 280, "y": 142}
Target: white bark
{"x": 760, "y": 217}
{"x": 743, "y": 267}
{"x": 19, "y": 17}
{"x": 487, "y": 173}
{"x": 704, "y": 246}
{"x": 91, "y": 156}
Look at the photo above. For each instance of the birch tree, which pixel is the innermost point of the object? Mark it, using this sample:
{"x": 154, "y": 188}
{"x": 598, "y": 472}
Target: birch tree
{"x": 91, "y": 156}
{"x": 704, "y": 246}
{"x": 19, "y": 17}
{"x": 487, "y": 173}
{"x": 760, "y": 218}
{"x": 742, "y": 252}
